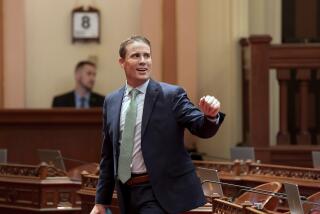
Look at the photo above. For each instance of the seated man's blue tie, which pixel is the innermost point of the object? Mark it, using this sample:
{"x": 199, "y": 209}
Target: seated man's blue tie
{"x": 83, "y": 102}
{"x": 126, "y": 147}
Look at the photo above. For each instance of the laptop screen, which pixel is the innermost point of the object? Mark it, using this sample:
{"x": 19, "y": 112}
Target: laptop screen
{"x": 3, "y": 155}
{"x": 209, "y": 188}
{"x": 293, "y": 198}
{"x": 51, "y": 157}
{"x": 316, "y": 159}
{"x": 242, "y": 153}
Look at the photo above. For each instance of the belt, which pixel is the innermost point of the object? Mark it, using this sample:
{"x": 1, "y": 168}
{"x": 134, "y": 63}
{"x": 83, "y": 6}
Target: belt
{"x": 138, "y": 179}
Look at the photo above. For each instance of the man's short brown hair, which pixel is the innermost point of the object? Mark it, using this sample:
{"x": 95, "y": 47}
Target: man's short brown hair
{"x": 125, "y": 43}
{"x": 83, "y": 63}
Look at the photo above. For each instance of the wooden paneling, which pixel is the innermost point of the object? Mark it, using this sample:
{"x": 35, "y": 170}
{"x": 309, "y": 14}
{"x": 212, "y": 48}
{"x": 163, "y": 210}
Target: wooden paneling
{"x": 300, "y": 21}
{"x": 76, "y": 133}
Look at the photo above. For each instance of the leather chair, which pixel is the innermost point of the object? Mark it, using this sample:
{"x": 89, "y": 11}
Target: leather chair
{"x": 310, "y": 208}
{"x": 90, "y": 168}
{"x": 267, "y": 202}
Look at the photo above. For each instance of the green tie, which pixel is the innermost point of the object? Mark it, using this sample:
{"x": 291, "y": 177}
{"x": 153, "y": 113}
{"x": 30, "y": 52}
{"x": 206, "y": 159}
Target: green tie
{"x": 125, "y": 157}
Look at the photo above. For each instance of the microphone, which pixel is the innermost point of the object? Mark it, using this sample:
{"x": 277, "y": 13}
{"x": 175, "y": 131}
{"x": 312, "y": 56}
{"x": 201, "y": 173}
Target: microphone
{"x": 214, "y": 157}
{"x": 71, "y": 159}
{"x": 250, "y": 189}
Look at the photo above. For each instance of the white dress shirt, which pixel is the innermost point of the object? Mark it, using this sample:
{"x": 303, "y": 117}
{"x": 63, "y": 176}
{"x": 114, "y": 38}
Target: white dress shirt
{"x": 79, "y": 99}
{"x": 137, "y": 166}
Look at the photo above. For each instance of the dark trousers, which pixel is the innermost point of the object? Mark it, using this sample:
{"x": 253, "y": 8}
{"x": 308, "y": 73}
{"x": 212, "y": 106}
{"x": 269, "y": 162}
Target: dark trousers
{"x": 138, "y": 199}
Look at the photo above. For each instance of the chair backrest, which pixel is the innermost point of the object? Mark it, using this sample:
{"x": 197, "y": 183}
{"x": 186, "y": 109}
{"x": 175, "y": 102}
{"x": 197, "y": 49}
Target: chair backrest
{"x": 3, "y": 155}
{"x": 242, "y": 153}
{"x": 312, "y": 207}
{"x": 213, "y": 188}
{"x": 316, "y": 159}
{"x": 90, "y": 168}
{"x": 51, "y": 156}
{"x": 266, "y": 201}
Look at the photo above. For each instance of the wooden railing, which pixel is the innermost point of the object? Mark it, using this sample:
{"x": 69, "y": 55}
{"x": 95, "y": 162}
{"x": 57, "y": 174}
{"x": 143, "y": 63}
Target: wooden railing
{"x": 40, "y": 172}
{"x": 297, "y": 68}
{"x": 88, "y": 191}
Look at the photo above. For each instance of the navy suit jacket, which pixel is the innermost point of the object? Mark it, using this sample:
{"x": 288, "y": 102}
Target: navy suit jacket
{"x": 167, "y": 112}
{"x": 68, "y": 100}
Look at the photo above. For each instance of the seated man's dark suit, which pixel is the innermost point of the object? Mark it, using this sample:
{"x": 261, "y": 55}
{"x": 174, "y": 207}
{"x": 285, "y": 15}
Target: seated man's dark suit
{"x": 167, "y": 112}
{"x": 68, "y": 100}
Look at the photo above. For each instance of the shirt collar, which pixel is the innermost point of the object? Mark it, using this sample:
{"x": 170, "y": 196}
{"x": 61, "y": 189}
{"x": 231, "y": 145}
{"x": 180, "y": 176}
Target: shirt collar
{"x": 141, "y": 88}
{"x": 78, "y": 97}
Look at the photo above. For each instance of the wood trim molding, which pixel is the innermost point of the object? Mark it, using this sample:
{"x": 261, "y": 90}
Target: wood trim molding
{"x": 1, "y": 56}
{"x": 169, "y": 45}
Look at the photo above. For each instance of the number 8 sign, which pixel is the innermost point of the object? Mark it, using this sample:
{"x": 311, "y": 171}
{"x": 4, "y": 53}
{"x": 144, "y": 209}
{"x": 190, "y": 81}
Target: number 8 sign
{"x": 85, "y": 25}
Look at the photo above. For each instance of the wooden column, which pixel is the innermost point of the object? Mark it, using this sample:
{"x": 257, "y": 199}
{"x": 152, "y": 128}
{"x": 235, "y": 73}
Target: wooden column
{"x": 303, "y": 76}
{"x": 259, "y": 91}
{"x": 245, "y": 60}
{"x": 318, "y": 108}
{"x": 283, "y": 136}
{"x": 1, "y": 57}
{"x": 169, "y": 36}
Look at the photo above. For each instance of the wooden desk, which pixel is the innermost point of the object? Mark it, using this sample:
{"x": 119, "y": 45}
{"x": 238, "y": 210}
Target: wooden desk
{"x": 88, "y": 192}
{"x": 253, "y": 174}
{"x": 76, "y": 133}
{"x": 27, "y": 189}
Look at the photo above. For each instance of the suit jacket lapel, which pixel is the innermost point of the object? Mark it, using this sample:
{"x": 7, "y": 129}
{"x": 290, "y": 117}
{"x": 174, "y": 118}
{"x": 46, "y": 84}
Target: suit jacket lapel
{"x": 92, "y": 100}
{"x": 116, "y": 111}
{"x": 72, "y": 99}
{"x": 150, "y": 98}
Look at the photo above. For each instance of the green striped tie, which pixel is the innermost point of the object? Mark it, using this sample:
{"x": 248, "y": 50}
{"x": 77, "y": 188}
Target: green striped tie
{"x": 125, "y": 157}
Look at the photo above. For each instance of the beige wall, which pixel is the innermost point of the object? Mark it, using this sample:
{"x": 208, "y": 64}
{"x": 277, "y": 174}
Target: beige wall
{"x": 221, "y": 23}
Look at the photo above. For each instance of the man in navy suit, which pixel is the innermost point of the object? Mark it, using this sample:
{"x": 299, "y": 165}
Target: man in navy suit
{"x": 162, "y": 178}
{"x": 82, "y": 96}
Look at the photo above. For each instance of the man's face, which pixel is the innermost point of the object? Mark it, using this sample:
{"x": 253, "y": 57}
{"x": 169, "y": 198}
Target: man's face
{"x": 86, "y": 76}
{"x": 137, "y": 63}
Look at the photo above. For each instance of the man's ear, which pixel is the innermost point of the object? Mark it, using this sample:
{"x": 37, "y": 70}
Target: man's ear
{"x": 77, "y": 75}
{"x": 121, "y": 61}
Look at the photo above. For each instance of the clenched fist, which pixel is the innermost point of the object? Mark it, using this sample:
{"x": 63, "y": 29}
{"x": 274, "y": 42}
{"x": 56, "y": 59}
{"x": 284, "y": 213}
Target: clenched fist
{"x": 209, "y": 105}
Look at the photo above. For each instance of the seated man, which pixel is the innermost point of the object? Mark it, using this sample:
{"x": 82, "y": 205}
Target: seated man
{"x": 82, "y": 96}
